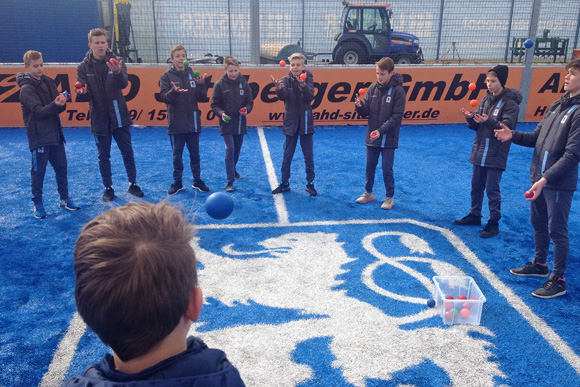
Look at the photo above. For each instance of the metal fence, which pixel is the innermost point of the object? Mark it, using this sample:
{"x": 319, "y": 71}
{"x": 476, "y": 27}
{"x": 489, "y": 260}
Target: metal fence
{"x": 449, "y": 31}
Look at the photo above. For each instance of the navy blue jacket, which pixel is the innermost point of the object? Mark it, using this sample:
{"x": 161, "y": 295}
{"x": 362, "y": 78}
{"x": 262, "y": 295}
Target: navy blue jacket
{"x": 195, "y": 367}
{"x": 183, "y": 115}
{"x": 39, "y": 111}
{"x": 297, "y": 104}
{"x": 108, "y": 108}
{"x": 556, "y": 142}
{"x": 488, "y": 151}
{"x": 384, "y": 105}
{"x": 229, "y": 96}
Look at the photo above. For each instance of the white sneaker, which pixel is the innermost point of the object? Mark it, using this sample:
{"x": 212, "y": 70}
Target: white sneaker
{"x": 365, "y": 198}
{"x": 388, "y": 203}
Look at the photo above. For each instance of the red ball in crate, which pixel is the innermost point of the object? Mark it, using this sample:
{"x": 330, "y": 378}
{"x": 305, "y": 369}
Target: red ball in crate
{"x": 448, "y": 315}
{"x": 462, "y": 297}
{"x": 464, "y": 313}
{"x": 466, "y": 305}
{"x": 449, "y": 298}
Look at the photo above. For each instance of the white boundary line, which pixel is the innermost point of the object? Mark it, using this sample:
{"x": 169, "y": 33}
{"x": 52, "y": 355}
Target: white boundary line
{"x": 67, "y": 347}
{"x": 279, "y": 202}
{"x": 64, "y": 353}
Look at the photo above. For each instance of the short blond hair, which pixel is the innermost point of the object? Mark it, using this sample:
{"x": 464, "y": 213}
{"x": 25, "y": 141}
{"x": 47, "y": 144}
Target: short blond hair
{"x": 179, "y": 47}
{"x": 297, "y": 55}
{"x": 231, "y": 61}
{"x": 31, "y": 55}
{"x": 97, "y": 32}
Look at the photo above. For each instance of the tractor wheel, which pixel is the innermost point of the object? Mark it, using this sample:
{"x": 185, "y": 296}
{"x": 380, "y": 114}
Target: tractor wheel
{"x": 351, "y": 54}
{"x": 403, "y": 59}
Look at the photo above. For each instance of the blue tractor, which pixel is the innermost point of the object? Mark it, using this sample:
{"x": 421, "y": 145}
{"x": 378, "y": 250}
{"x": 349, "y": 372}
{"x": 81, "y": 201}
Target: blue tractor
{"x": 367, "y": 36}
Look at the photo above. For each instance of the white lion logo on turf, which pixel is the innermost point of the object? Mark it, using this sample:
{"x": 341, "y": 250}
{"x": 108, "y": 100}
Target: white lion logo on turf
{"x": 301, "y": 273}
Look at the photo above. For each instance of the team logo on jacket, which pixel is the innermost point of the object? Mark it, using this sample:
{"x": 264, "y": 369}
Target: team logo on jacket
{"x": 495, "y": 112}
{"x": 388, "y": 100}
{"x": 192, "y": 84}
{"x": 241, "y": 91}
{"x": 564, "y": 119}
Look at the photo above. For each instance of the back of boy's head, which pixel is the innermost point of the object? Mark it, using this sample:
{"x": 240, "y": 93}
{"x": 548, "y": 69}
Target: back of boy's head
{"x": 179, "y": 47}
{"x": 231, "y": 61}
{"x": 97, "y": 32}
{"x": 135, "y": 270}
{"x": 297, "y": 56}
{"x": 575, "y": 64}
{"x": 31, "y": 55}
{"x": 386, "y": 64}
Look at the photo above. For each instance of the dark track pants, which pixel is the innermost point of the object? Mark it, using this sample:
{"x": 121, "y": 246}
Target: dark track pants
{"x": 488, "y": 180}
{"x": 56, "y": 155}
{"x": 123, "y": 138}
{"x": 307, "y": 145}
{"x": 388, "y": 155}
{"x": 178, "y": 142}
{"x": 549, "y": 216}
{"x": 233, "y": 148}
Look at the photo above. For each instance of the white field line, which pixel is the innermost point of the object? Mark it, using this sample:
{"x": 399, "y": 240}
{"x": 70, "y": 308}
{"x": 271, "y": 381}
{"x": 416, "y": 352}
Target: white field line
{"x": 64, "y": 353}
{"x": 279, "y": 202}
{"x": 67, "y": 347}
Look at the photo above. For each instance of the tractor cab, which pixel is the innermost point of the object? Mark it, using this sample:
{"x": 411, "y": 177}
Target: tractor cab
{"x": 366, "y": 36}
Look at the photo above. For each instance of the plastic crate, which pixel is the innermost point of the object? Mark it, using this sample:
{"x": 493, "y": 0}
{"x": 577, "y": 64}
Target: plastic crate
{"x": 452, "y": 311}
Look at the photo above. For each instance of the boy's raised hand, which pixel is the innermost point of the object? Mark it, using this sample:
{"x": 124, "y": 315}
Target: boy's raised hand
{"x": 466, "y": 113}
{"x": 504, "y": 134}
{"x": 82, "y": 90}
{"x": 275, "y": 81}
{"x": 357, "y": 101}
{"x": 178, "y": 89}
{"x": 115, "y": 67}
{"x": 60, "y": 100}
{"x": 201, "y": 78}
{"x": 480, "y": 118}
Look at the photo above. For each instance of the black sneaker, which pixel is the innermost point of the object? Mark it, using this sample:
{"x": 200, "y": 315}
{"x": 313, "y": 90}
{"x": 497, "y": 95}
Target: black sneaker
{"x": 531, "y": 270}
{"x": 135, "y": 190}
{"x": 230, "y": 187}
{"x": 175, "y": 188}
{"x": 237, "y": 175}
{"x": 553, "y": 287}
{"x": 200, "y": 185}
{"x": 491, "y": 229}
{"x": 310, "y": 189}
{"x": 283, "y": 187}
{"x": 469, "y": 220}
{"x": 109, "y": 194}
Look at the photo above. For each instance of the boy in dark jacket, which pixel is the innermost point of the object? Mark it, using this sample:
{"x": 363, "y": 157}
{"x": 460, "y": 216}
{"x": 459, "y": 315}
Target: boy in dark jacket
{"x": 103, "y": 78}
{"x": 554, "y": 177}
{"x": 181, "y": 91}
{"x": 231, "y": 101}
{"x": 41, "y": 104}
{"x": 489, "y": 155}
{"x": 384, "y": 104}
{"x": 297, "y": 91}
{"x": 136, "y": 288}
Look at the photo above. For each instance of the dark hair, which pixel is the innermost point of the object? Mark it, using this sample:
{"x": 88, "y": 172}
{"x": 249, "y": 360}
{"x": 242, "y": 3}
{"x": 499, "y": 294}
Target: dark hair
{"x": 135, "y": 270}
{"x": 386, "y": 64}
{"x": 573, "y": 64}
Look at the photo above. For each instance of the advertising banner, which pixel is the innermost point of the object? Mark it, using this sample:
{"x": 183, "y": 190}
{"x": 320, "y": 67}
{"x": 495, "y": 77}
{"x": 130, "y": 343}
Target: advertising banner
{"x": 434, "y": 94}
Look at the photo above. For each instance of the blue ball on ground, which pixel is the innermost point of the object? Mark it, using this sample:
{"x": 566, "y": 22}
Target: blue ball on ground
{"x": 529, "y": 43}
{"x": 430, "y": 303}
{"x": 219, "y": 205}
